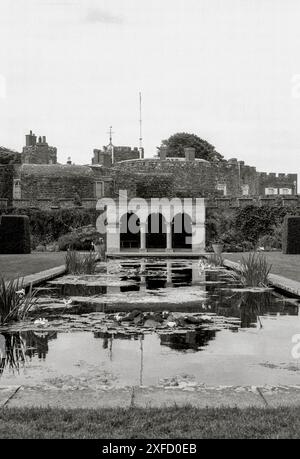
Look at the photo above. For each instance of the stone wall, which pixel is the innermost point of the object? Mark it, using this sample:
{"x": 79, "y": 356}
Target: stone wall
{"x": 277, "y": 181}
{"x": 210, "y": 203}
{"x": 6, "y": 182}
{"x": 47, "y": 204}
{"x": 179, "y": 177}
{"x": 54, "y": 182}
{"x": 175, "y": 178}
{"x": 125, "y": 153}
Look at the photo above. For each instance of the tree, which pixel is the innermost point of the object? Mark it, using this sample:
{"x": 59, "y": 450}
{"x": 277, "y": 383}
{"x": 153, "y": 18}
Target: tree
{"x": 177, "y": 142}
{"x": 9, "y": 156}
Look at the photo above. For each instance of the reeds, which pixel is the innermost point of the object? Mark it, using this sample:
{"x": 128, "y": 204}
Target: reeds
{"x": 15, "y": 303}
{"x": 14, "y": 352}
{"x": 77, "y": 263}
{"x": 255, "y": 270}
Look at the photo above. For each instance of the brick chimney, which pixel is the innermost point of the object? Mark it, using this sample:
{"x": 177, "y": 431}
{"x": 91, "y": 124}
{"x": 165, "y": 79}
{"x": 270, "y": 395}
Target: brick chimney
{"x": 189, "y": 153}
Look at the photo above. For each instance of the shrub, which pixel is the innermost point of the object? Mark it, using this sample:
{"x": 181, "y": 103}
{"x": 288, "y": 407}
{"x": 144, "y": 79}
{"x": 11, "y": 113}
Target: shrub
{"x": 79, "y": 239}
{"x": 253, "y": 221}
{"x": 269, "y": 242}
{"x": 14, "y": 234}
{"x": 48, "y": 225}
{"x": 15, "y": 304}
{"x": 291, "y": 235}
{"x": 254, "y": 270}
{"x": 77, "y": 263}
{"x": 241, "y": 229}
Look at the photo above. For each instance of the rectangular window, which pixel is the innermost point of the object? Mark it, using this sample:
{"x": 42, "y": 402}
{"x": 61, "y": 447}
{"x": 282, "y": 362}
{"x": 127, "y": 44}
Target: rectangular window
{"x": 271, "y": 191}
{"x": 17, "y": 189}
{"x": 285, "y": 191}
{"x": 222, "y": 187}
{"x": 99, "y": 189}
{"x": 245, "y": 190}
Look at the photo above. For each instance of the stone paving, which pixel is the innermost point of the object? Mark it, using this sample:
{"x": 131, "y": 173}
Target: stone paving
{"x": 146, "y": 397}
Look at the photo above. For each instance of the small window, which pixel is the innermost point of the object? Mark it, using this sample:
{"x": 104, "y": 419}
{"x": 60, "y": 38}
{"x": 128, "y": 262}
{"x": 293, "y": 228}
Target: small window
{"x": 285, "y": 191}
{"x": 222, "y": 187}
{"x": 99, "y": 189}
{"x": 17, "y": 189}
{"x": 245, "y": 190}
{"x": 271, "y": 191}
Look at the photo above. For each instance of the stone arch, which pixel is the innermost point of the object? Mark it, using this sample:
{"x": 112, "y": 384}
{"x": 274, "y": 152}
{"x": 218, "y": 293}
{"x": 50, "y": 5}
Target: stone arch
{"x": 156, "y": 231}
{"x": 181, "y": 228}
{"x": 129, "y": 231}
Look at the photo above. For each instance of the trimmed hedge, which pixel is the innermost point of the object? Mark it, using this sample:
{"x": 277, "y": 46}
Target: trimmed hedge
{"x": 48, "y": 225}
{"x": 14, "y": 234}
{"x": 291, "y": 235}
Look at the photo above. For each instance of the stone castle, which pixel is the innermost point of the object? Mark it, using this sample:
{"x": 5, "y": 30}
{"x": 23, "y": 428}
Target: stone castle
{"x": 34, "y": 178}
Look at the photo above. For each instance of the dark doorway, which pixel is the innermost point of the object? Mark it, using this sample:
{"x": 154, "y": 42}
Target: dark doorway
{"x": 156, "y": 235}
{"x": 182, "y": 232}
{"x": 130, "y": 231}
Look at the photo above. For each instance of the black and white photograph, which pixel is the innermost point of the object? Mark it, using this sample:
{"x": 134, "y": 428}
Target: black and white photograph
{"x": 149, "y": 223}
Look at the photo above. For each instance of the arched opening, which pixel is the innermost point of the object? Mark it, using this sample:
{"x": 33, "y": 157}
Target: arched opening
{"x": 156, "y": 232}
{"x": 130, "y": 231}
{"x": 182, "y": 231}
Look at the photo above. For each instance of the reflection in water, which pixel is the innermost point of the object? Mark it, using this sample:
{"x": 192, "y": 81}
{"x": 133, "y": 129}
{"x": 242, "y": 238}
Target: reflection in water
{"x": 219, "y": 298}
{"x": 37, "y": 343}
{"x": 16, "y": 348}
{"x": 12, "y": 351}
{"x": 194, "y": 339}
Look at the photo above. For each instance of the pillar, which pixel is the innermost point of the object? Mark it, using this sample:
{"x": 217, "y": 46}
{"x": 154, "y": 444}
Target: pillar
{"x": 113, "y": 237}
{"x": 169, "y": 273}
{"x": 169, "y": 237}
{"x": 143, "y": 237}
{"x": 198, "y": 237}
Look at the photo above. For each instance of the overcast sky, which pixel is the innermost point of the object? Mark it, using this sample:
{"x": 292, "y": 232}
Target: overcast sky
{"x": 221, "y": 69}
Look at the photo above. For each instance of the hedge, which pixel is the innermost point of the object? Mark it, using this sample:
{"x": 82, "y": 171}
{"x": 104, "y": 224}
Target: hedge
{"x": 48, "y": 225}
{"x": 291, "y": 235}
{"x": 242, "y": 228}
{"x": 14, "y": 234}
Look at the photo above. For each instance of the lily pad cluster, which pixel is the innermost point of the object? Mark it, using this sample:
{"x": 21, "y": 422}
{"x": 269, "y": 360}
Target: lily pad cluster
{"x": 158, "y": 319}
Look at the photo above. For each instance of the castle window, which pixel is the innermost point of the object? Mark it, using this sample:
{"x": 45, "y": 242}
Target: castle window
{"x": 271, "y": 191}
{"x": 245, "y": 190}
{"x": 285, "y": 191}
{"x": 222, "y": 187}
{"x": 17, "y": 189}
{"x": 99, "y": 189}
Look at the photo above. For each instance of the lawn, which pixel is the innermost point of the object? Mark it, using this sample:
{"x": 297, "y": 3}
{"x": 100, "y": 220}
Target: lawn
{"x": 13, "y": 266}
{"x": 185, "y": 422}
{"x": 283, "y": 265}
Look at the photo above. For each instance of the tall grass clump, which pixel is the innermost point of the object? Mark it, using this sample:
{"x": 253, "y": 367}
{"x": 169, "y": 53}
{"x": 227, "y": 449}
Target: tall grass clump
{"x": 15, "y": 303}
{"x": 255, "y": 270}
{"x": 77, "y": 263}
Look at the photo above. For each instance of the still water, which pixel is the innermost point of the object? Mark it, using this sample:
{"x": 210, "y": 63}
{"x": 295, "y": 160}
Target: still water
{"x": 247, "y": 342}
